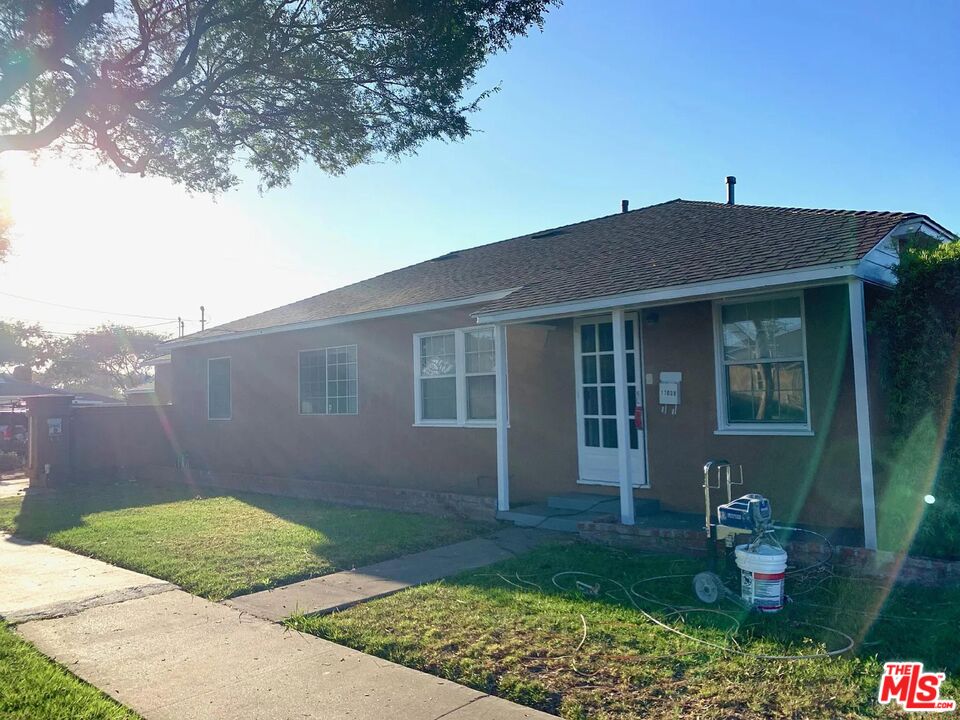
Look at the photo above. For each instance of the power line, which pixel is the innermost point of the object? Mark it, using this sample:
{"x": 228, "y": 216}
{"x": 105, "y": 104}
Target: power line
{"x": 47, "y": 331}
{"x": 168, "y": 322}
{"x": 32, "y": 321}
{"x": 83, "y": 309}
{"x": 64, "y": 333}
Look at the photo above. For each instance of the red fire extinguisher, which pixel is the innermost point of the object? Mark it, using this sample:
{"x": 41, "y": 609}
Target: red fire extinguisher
{"x": 638, "y": 417}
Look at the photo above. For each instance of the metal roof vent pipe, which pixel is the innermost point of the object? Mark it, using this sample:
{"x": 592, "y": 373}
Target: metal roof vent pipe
{"x": 624, "y": 206}
{"x": 731, "y": 182}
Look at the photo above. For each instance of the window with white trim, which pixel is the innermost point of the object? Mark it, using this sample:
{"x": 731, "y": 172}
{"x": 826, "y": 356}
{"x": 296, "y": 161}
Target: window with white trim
{"x": 456, "y": 377}
{"x": 762, "y": 365}
{"x": 219, "y": 401}
{"x": 328, "y": 381}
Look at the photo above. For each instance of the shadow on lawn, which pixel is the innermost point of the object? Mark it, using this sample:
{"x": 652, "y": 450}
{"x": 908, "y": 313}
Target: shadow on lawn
{"x": 41, "y": 515}
{"x": 902, "y": 623}
{"x": 236, "y": 544}
{"x": 44, "y": 514}
{"x": 358, "y": 535}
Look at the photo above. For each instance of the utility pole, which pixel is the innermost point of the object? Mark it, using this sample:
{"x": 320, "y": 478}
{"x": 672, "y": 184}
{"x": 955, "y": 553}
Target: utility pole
{"x": 203, "y": 319}
{"x": 180, "y": 325}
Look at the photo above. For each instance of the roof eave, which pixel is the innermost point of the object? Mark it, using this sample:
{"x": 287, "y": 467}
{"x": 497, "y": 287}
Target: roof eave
{"x": 340, "y": 319}
{"x": 744, "y": 284}
{"x": 879, "y": 265}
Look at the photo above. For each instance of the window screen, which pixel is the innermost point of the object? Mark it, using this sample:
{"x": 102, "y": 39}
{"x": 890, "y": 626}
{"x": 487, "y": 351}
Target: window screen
{"x": 218, "y": 389}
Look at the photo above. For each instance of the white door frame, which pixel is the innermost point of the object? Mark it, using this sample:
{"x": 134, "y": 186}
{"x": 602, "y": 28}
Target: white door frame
{"x": 607, "y": 457}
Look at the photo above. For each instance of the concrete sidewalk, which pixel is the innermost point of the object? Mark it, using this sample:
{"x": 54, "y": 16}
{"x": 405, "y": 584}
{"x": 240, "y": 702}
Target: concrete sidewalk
{"x": 39, "y": 581}
{"x": 343, "y": 589}
{"x": 167, "y": 654}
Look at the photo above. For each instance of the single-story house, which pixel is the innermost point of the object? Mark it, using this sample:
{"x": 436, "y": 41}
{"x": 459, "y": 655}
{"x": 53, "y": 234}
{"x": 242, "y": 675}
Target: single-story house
{"x": 615, "y": 355}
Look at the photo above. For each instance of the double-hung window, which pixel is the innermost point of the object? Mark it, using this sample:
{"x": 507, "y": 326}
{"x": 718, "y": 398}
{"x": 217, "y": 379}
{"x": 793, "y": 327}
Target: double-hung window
{"x": 328, "y": 381}
{"x": 455, "y": 377}
{"x": 219, "y": 401}
{"x": 762, "y": 366}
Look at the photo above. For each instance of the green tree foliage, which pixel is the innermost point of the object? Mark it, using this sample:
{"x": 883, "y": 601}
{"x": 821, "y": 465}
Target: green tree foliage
{"x": 108, "y": 359}
{"x": 181, "y": 88}
{"x": 918, "y": 325}
{"x": 6, "y": 223}
{"x": 22, "y": 344}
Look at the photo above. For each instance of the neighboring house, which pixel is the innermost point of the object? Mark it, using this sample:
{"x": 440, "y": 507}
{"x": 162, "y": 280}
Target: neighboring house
{"x": 13, "y": 390}
{"x": 142, "y": 394}
{"x": 91, "y": 399}
{"x": 156, "y": 391}
{"x": 162, "y": 379}
{"x": 717, "y": 330}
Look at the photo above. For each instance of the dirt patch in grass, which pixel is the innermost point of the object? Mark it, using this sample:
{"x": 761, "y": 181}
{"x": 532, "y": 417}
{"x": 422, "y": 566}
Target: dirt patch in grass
{"x": 509, "y": 630}
{"x": 218, "y": 546}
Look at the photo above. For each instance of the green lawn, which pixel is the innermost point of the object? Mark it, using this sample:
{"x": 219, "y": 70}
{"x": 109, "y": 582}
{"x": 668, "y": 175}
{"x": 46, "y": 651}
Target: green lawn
{"x": 33, "y": 687}
{"x": 508, "y": 630}
{"x": 218, "y": 546}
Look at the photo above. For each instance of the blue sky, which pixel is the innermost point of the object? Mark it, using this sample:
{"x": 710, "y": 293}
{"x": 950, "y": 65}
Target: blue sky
{"x": 840, "y": 105}
{"x": 853, "y": 107}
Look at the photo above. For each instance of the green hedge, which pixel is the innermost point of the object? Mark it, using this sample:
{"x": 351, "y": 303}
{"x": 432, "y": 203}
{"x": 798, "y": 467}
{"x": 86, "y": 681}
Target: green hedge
{"x": 918, "y": 326}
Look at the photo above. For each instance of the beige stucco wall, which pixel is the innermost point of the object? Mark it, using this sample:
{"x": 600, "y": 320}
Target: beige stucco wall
{"x": 809, "y": 479}
{"x": 162, "y": 382}
{"x": 379, "y": 445}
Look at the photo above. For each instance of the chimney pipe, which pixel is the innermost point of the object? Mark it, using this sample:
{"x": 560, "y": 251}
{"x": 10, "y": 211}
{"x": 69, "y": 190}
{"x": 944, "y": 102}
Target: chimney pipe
{"x": 624, "y": 206}
{"x": 731, "y": 181}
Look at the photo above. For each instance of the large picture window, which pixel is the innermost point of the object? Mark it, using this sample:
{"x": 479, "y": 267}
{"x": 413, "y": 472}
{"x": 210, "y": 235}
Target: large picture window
{"x": 219, "y": 402}
{"x": 761, "y": 352}
{"x": 328, "y": 381}
{"x": 456, "y": 377}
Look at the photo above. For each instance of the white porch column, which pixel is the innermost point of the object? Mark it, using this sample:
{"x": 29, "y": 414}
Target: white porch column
{"x": 503, "y": 462}
{"x": 623, "y": 421}
{"x": 858, "y": 334}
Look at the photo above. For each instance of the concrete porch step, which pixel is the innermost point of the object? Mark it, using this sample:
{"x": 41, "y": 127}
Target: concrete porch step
{"x": 595, "y": 502}
{"x": 551, "y": 518}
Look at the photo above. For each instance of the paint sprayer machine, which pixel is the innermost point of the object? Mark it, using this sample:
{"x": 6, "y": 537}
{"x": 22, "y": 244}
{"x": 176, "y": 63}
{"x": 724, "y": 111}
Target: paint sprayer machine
{"x": 762, "y": 561}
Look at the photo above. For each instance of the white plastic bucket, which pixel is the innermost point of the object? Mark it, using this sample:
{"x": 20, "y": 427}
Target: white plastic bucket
{"x": 761, "y": 576}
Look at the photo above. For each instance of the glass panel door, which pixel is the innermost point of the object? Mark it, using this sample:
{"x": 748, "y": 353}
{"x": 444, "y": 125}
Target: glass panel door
{"x": 597, "y": 399}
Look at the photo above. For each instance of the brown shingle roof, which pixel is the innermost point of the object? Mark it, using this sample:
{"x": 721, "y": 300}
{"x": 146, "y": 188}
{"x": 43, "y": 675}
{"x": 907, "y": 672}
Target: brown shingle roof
{"x": 673, "y": 243}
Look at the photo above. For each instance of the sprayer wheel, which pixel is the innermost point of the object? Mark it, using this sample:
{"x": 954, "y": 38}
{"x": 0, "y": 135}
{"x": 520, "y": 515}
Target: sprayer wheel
{"x": 708, "y": 587}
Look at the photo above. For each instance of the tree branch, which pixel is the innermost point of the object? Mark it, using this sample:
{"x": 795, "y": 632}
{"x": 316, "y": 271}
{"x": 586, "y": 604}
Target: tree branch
{"x": 72, "y": 110}
{"x": 43, "y": 59}
{"x": 106, "y": 144}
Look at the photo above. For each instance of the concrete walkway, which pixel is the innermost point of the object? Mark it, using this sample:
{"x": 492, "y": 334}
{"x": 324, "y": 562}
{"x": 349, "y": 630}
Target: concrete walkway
{"x": 343, "y": 589}
{"x": 38, "y": 581}
{"x": 167, "y": 654}
{"x": 13, "y": 485}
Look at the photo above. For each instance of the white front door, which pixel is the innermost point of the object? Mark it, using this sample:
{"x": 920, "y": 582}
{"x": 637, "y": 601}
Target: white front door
{"x": 597, "y": 403}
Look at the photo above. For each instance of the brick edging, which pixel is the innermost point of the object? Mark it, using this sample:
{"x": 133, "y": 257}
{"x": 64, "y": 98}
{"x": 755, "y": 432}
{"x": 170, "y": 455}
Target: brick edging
{"x": 900, "y": 567}
{"x": 443, "y": 504}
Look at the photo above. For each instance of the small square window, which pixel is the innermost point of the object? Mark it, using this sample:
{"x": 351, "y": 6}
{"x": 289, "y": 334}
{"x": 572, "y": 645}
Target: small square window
{"x": 328, "y": 381}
